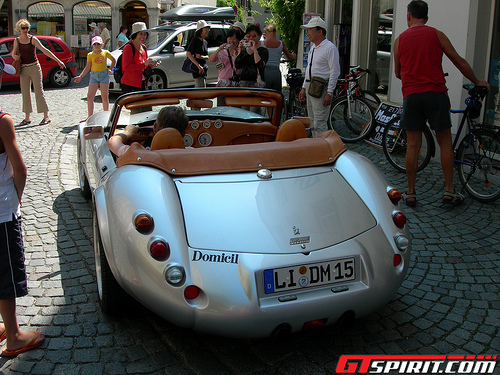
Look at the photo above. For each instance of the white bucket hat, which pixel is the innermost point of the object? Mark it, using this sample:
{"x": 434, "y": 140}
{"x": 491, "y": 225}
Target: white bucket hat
{"x": 138, "y": 27}
{"x": 240, "y": 26}
{"x": 315, "y": 22}
{"x": 93, "y": 24}
{"x": 201, "y": 24}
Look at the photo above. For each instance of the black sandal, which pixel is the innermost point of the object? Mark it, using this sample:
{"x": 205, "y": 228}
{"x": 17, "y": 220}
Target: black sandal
{"x": 24, "y": 122}
{"x": 407, "y": 196}
{"x": 453, "y": 198}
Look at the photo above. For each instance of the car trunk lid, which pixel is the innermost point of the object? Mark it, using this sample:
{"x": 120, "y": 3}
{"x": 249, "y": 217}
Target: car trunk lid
{"x": 294, "y": 211}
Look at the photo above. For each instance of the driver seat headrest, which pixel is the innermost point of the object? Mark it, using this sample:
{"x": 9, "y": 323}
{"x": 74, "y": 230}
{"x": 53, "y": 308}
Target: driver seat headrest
{"x": 291, "y": 130}
{"x": 167, "y": 138}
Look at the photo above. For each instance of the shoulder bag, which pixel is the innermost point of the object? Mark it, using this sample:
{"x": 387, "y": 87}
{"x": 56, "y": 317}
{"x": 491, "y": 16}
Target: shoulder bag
{"x": 316, "y": 84}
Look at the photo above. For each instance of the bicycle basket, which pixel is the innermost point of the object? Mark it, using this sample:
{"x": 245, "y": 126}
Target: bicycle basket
{"x": 474, "y": 107}
{"x": 294, "y": 80}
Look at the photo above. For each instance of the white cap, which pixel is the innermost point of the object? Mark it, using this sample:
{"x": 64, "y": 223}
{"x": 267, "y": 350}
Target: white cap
{"x": 315, "y": 22}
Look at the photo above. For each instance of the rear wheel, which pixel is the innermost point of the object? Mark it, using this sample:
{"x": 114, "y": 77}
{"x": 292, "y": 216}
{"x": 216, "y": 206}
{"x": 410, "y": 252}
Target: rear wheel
{"x": 352, "y": 118}
{"x": 371, "y": 98}
{"x": 82, "y": 177}
{"x": 298, "y": 108}
{"x": 156, "y": 81}
{"x": 110, "y": 293}
{"x": 478, "y": 160}
{"x": 394, "y": 144}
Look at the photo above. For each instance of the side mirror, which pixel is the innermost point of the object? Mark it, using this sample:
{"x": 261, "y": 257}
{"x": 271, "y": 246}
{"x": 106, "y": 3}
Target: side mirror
{"x": 93, "y": 132}
{"x": 179, "y": 49}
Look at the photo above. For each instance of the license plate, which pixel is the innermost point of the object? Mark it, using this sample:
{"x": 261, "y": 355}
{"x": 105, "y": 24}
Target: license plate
{"x": 309, "y": 275}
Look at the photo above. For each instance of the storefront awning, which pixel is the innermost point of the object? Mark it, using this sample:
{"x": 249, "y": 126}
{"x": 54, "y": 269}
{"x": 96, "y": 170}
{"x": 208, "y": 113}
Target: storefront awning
{"x": 94, "y": 10}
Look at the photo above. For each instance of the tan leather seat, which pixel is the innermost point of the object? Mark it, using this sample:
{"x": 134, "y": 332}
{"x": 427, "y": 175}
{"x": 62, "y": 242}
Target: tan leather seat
{"x": 167, "y": 138}
{"x": 291, "y": 130}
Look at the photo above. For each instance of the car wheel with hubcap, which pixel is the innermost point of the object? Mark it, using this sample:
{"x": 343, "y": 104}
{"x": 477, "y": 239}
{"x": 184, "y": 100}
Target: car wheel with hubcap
{"x": 60, "y": 77}
{"x": 156, "y": 81}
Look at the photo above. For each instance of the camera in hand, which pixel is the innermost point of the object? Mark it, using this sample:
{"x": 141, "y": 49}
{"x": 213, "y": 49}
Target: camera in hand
{"x": 246, "y": 43}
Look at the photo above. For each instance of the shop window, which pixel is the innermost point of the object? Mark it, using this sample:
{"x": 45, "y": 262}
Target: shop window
{"x": 46, "y": 18}
{"x": 90, "y": 11}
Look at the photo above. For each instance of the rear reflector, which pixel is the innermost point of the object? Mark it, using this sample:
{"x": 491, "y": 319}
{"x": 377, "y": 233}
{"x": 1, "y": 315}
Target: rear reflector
{"x": 397, "y": 260}
{"x": 315, "y": 323}
{"x": 159, "y": 250}
{"x": 191, "y": 292}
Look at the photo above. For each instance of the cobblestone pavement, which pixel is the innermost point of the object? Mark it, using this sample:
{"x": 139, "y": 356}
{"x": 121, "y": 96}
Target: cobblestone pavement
{"x": 448, "y": 304}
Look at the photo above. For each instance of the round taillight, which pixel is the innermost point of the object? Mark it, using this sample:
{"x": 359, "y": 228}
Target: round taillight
{"x": 159, "y": 250}
{"x": 397, "y": 260}
{"x": 143, "y": 223}
{"x": 394, "y": 195}
{"x": 399, "y": 219}
{"x": 191, "y": 292}
{"x": 402, "y": 242}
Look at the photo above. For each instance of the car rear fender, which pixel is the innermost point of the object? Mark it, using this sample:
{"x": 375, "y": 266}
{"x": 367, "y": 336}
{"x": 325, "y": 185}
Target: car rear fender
{"x": 372, "y": 187}
{"x": 99, "y": 205}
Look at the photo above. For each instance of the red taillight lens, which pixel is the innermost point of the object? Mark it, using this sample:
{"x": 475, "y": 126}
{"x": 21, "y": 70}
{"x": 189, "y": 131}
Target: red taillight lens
{"x": 191, "y": 292}
{"x": 315, "y": 323}
{"x": 397, "y": 260}
{"x": 143, "y": 223}
{"x": 394, "y": 195}
{"x": 159, "y": 250}
{"x": 399, "y": 219}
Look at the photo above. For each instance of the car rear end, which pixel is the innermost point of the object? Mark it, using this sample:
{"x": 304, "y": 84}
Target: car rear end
{"x": 250, "y": 256}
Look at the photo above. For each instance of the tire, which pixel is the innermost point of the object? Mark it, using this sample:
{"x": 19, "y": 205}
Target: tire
{"x": 60, "y": 77}
{"x": 298, "y": 108}
{"x": 83, "y": 182}
{"x": 394, "y": 145}
{"x": 156, "y": 81}
{"x": 354, "y": 126}
{"x": 371, "y": 98}
{"x": 111, "y": 296}
{"x": 480, "y": 175}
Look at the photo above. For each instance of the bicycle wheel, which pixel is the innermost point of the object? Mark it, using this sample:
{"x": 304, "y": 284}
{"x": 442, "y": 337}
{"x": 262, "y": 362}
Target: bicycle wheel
{"x": 371, "y": 98}
{"x": 298, "y": 108}
{"x": 479, "y": 165}
{"x": 394, "y": 145}
{"x": 352, "y": 118}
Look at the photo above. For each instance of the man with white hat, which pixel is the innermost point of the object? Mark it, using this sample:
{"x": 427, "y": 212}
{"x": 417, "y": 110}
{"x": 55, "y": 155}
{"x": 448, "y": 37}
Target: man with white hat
{"x": 322, "y": 62}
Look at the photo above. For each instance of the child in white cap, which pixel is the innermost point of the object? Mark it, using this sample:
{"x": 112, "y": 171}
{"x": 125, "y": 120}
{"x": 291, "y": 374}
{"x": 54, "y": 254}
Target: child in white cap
{"x": 99, "y": 74}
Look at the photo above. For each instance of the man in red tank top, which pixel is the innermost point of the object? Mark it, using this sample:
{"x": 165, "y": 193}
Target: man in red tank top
{"x": 418, "y": 54}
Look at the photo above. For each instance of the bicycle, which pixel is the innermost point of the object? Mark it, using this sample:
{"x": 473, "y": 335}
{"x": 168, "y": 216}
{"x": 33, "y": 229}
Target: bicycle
{"x": 351, "y": 115}
{"x": 351, "y": 82}
{"x": 477, "y": 155}
{"x": 293, "y": 106}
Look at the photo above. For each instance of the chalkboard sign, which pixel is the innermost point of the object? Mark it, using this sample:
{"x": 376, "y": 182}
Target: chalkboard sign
{"x": 385, "y": 113}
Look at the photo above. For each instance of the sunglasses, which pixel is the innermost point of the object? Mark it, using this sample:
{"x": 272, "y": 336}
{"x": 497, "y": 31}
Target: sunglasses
{"x": 98, "y": 44}
{"x": 25, "y": 28}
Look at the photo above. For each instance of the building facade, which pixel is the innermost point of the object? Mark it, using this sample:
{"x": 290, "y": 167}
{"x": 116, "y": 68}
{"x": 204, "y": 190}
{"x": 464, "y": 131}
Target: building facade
{"x": 363, "y": 30}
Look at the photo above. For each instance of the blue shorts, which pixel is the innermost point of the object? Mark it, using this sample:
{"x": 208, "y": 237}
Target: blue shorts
{"x": 13, "y": 282}
{"x": 99, "y": 77}
{"x": 431, "y": 107}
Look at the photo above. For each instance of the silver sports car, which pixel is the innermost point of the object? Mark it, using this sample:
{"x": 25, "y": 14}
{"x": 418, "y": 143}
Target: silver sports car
{"x": 250, "y": 230}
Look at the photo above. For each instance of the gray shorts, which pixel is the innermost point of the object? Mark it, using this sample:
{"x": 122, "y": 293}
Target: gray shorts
{"x": 13, "y": 282}
{"x": 431, "y": 107}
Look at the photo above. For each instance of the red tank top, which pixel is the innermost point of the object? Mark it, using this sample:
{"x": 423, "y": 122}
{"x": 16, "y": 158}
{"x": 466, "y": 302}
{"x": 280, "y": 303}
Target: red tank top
{"x": 421, "y": 57}
{"x": 27, "y": 52}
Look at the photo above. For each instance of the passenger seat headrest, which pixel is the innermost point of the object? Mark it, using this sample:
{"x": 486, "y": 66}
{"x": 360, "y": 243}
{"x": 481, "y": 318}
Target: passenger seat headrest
{"x": 291, "y": 130}
{"x": 167, "y": 138}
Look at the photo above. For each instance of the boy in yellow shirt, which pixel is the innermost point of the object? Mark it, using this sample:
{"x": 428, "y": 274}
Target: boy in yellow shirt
{"x": 99, "y": 74}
